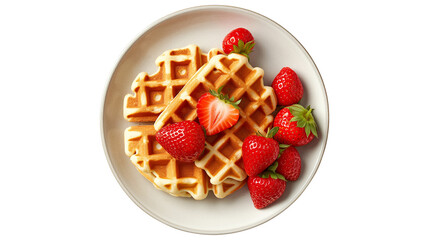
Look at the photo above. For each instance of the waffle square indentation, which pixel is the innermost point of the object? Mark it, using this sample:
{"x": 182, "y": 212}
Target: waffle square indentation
{"x": 155, "y": 95}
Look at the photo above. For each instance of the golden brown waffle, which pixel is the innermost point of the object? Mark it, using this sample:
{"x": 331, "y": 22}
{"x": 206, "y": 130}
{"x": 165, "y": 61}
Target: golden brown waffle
{"x": 152, "y": 93}
{"x": 221, "y": 158}
{"x": 174, "y": 177}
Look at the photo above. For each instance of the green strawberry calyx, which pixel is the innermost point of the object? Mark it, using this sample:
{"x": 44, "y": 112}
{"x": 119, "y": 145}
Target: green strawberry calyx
{"x": 282, "y": 148}
{"x": 271, "y": 172}
{"x": 225, "y": 98}
{"x": 270, "y": 133}
{"x": 303, "y": 118}
{"x": 243, "y": 48}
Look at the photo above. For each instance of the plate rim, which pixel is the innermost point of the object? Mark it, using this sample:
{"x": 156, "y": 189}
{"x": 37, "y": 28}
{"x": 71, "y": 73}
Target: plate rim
{"x": 106, "y": 90}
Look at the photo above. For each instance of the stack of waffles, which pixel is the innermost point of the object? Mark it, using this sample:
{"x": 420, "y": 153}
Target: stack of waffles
{"x": 171, "y": 96}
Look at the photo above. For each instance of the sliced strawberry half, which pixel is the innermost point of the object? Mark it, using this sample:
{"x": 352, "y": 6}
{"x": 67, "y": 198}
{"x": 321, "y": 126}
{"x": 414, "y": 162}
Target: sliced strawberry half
{"x": 217, "y": 112}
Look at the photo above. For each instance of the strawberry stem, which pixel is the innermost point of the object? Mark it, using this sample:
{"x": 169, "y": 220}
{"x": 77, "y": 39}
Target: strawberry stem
{"x": 308, "y": 113}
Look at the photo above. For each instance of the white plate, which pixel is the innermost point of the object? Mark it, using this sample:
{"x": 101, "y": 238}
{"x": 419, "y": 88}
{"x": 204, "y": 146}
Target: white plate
{"x": 206, "y": 26}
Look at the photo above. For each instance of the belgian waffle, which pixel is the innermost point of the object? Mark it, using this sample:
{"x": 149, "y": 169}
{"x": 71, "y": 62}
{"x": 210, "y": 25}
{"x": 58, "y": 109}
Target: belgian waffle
{"x": 152, "y": 93}
{"x": 174, "y": 177}
{"x": 222, "y": 158}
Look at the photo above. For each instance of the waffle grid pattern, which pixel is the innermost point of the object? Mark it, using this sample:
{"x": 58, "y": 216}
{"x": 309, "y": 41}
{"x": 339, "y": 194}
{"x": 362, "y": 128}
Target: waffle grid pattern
{"x": 221, "y": 158}
{"x": 152, "y": 93}
{"x": 167, "y": 174}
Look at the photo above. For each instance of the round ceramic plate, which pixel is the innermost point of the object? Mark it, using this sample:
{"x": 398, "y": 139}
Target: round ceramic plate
{"x": 206, "y": 26}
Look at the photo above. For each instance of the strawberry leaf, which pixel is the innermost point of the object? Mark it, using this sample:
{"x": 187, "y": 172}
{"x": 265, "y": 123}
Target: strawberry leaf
{"x": 243, "y": 48}
{"x": 273, "y": 166}
{"x": 220, "y": 89}
{"x": 296, "y": 109}
{"x": 301, "y": 122}
{"x": 225, "y": 97}
{"x": 249, "y": 46}
{"x": 282, "y": 148}
{"x": 213, "y": 92}
{"x": 271, "y": 172}
{"x": 314, "y": 130}
{"x": 307, "y": 131}
{"x": 281, "y": 176}
{"x": 272, "y": 132}
{"x": 236, "y": 49}
{"x": 273, "y": 175}
{"x": 241, "y": 44}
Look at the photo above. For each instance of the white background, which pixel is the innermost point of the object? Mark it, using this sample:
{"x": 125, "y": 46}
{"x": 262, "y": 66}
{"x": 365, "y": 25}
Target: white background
{"x": 55, "y": 61}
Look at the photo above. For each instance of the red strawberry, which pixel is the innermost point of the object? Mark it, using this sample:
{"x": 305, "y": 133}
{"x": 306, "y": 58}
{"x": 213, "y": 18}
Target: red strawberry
{"x": 183, "y": 140}
{"x": 288, "y": 87}
{"x": 217, "y": 112}
{"x": 267, "y": 188}
{"x": 296, "y": 125}
{"x": 240, "y": 41}
{"x": 289, "y": 164}
{"x": 259, "y": 152}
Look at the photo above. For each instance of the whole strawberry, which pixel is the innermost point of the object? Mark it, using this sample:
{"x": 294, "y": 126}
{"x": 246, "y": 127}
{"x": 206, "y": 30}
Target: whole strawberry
{"x": 296, "y": 124}
{"x": 259, "y": 152}
{"x": 288, "y": 87}
{"x": 239, "y": 40}
{"x": 289, "y": 163}
{"x": 183, "y": 140}
{"x": 267, "y": 188}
